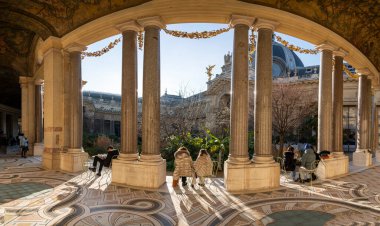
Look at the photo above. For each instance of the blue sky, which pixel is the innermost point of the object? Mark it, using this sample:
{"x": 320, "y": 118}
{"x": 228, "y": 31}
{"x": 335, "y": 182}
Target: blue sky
{"x": 183, "y": 61}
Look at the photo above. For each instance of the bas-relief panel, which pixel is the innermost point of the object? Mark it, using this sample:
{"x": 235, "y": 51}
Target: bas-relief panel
{"x": 356, "y": 21}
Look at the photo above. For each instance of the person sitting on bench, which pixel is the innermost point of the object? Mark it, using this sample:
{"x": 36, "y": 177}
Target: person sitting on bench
{"x": 104, "y": 160}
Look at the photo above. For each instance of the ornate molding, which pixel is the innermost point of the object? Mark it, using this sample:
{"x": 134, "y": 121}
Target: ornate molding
{"x": 340, "y": 52}
{"x": 75, "y": 47}
{"x": 131, "y": 25}
{"x": 326, "y": 46}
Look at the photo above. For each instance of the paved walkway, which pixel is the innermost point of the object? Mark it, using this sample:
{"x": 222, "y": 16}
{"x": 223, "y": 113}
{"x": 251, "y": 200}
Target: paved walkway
{"x": 54, "y": 198}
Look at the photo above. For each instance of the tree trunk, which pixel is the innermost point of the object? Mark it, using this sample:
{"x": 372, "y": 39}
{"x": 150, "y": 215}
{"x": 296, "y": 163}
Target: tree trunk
{"x": 220, "y": 159}
{"x": 281, "y": 149}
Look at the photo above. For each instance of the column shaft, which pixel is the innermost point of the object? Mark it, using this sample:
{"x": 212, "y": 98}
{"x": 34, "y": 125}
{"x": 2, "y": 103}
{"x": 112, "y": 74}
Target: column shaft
{"x": 151, "y": 95}
{"x": 325, "y": 102}
{"x": 363, "y": 113}
{"x": 239, "y": 97}
{"x": 76, "y": 100}
{"x": 263, "y": 97}
{"x": 39, "y": 121}
{"x": 24, "y": 106}
{"x": 31, "y": 111}
{"x": 337, "y": 107}
{"x": 128, "y": 132}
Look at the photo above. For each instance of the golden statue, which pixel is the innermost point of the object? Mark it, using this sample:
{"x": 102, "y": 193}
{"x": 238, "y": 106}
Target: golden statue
{"x": 209, "y": 71}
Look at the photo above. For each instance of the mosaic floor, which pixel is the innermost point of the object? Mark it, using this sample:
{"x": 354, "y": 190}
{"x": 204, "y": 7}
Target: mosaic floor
{"x": 30, "y": 195}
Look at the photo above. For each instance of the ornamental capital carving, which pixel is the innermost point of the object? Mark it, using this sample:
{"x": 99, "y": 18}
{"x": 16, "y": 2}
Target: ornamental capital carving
{"x": 130, "y": 25}
{"x": 75, "y": 47}
{"x": 38, "y": 82}
{"x": 239, "y": 19}
{"x": 152, "y": 21}
{"x": 326, "y": 46}
{"x": 267, "y": 24}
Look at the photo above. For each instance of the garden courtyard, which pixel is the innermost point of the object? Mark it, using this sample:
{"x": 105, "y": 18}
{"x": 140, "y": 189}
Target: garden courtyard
{"x": 30, "y": 195}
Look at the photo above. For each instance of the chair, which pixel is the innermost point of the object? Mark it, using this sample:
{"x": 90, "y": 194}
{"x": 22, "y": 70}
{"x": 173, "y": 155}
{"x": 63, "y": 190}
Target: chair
{"x": 283, "y": 170}
{"x": 311, "y": 171}
{"x": 214, "y": 168}
{"x": 109, "y": 169}
{"x": 87, "y": 163}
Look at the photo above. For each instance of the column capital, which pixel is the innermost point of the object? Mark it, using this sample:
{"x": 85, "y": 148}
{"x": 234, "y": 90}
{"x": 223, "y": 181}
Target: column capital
{"x": 75, "y": 47}
{"x": 326, "y": 46}
{"x": 152, "y": 21}
{"x": 363, "y": 71}
{"x": 130, "y": 25}
{"x": 23, "y": 80}
{"x": 38, "y": 82}
{"x": 264, "y": 23}
{"x": 239, "y": 19}
{"x": 51, "y": 42}
{"x": 340, "y": 52}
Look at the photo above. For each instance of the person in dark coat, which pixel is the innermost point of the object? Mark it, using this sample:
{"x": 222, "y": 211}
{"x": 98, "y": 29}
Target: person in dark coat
{"x": 104, "y": 160}
{"x": 290, "y": 162}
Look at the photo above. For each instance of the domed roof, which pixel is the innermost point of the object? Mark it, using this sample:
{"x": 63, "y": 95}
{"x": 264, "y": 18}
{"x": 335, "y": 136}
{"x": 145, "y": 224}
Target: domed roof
{"x": 285, "y": 61}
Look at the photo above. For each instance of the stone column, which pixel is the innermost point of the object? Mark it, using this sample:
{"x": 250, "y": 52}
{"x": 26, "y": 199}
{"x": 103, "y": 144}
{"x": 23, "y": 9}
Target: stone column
{"x": 239, "y": 92}
{"x": 32, "y": 119}
{"x": 53, "y": 102}
{"x": 151, "y": 91}
{"x": 38, "y": 107}
{"x": 150, "y": 170}
{"x": 3, "y": 123}
{"x": 362, "y": 156}
{"x": 72, "y": 160}
{"x": 38, "y": 145}
{"x": 24, "y": 105}
{"x": 262, "y": 172}
{"x": 128, "y": 130}
{"x": 325, "y": 139}
{"x": 376, "y": 140}
{"x": 263, "y": 94}
{"x": 337, "y": 103}
{"x": 338, "y": 165}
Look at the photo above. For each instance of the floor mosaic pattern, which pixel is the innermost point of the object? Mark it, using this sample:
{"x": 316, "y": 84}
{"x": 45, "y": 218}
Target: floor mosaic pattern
{"x": 30, "y": 195}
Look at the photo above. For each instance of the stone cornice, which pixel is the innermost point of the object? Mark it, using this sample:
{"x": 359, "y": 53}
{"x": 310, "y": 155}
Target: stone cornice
{"x": 267, "y": 24}
{"x": 239, "y": 19}
{"x": 51, "y": 42}
{"x": 131, "y": 25}
{"x": 152, "y": 21}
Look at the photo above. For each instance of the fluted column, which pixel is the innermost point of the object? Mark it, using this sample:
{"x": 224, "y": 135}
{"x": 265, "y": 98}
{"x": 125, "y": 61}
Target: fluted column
{"x": 364, "y": 112}
{"x": 128, "y": 131}
{"x": 325, "y": 133}
{"x": 24, "y": 105}
{"x": 263, "y": 93}
{"x": 151, "y": 90}
{"x": 38, "y": 104}
{"x": 76, "y": 102}
{"x": 337, "y": 103}
{"x": 239, "y": 92}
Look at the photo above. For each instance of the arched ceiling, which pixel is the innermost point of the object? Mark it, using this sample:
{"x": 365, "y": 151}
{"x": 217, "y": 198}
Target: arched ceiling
{"x": 22, "y": 21}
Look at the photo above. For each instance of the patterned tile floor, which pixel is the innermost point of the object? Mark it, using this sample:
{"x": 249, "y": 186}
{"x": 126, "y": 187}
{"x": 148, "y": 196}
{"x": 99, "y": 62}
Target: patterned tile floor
{"x": 33, "y": 196}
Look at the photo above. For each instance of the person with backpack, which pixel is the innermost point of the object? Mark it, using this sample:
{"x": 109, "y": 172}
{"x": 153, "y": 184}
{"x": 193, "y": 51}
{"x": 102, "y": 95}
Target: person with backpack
{"x": 203, "y": 166}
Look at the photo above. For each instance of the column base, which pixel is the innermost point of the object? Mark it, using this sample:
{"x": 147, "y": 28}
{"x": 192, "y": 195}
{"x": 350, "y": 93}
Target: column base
{"x": 128, "y": 156}
{"x": 378, "y": 155}
{"x": 38, "y": 149}
{"x": 139, "y": 174}
{"x": 51, "y": 159}
{"x": 251, "y": 177}
{"x": 332, "y": 167}
{"x": 72, "y": 160}
{"x": 362, "y": 157}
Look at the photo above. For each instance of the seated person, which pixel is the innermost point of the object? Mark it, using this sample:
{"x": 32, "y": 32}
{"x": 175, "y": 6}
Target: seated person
{"x": 290, "y": 162}
{"x": 306, "y": 164}
{"x": 104, "y": 160}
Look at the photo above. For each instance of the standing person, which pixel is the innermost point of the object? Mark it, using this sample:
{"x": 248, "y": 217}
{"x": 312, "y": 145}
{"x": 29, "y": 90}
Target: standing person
{"x": 290, "y": 161}
{"x": 183, "y": 167}
{"x": 104, "y": 160}
{"x": 203, "y": 166}
{"x": 23, "y": 143}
